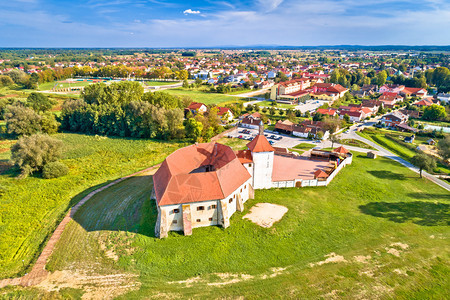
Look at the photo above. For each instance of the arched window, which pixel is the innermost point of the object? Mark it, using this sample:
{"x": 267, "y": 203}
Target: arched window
{"x": 230, "y": 200}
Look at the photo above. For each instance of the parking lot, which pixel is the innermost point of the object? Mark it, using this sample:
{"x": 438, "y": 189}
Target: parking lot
{"x": 275, "y": 139}
{"x": 310, "y": 105}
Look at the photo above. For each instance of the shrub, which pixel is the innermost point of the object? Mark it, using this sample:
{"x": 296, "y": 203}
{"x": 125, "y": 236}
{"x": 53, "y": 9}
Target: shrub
{"x": 54, "y": 170}
{"x": 22, "y": 120}
{"x": 32, "y": 153}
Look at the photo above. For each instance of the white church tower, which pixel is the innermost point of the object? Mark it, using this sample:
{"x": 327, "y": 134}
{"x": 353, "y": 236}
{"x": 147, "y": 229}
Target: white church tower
{"x": 262, "y": 154}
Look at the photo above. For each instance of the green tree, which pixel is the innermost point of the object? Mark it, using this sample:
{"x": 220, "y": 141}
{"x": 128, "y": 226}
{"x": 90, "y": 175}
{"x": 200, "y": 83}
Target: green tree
{"x": 39, "y": 102}
{"x": 440, "y": 75}
{"x": 423, "y": 162}
{"x": 444, "y": 147}
{"x": 193, "y": 129}
{"x": 5, "y": 80}
{"x": 434, "y": 112}
{"x": 347, "y": 118}
{"x": 22, "y": 120}
{"x": 381, "y": 77}
{"x": 333, "y": 139}
{"x": 33, "y": 152}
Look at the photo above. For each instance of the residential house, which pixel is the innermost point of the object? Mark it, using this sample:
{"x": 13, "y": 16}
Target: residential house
{"x": 443, "y": 97}
{"x": 225, "y": 114}
{"x": 426, "y": 102}
{"x": 393, "y": 119}
{"x": 327, "y": 111}
{"x": 391, "y": 88}
{"x": 417, "y": 92}
{"x": 197, "y": 107}
{"x": 390, "y": 98}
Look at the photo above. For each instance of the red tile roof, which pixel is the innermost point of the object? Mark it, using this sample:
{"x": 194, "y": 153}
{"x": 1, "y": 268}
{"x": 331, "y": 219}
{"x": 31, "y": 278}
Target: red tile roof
{"x": 244, "y": 156}
{"x": 182, "y": 177}
{"x": 196, "y": 105}
{"x": 320, "y": 174}
{"x": 341, "y": 150}
{"x": 260, "y": 144}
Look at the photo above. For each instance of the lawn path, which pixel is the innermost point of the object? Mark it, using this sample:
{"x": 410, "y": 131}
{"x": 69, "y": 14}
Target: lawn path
{"x": 38, "y": 272}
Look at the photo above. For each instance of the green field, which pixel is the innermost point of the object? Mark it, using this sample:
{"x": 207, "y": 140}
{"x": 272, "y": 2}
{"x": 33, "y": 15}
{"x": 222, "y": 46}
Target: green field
{"x": 383, "y": 229}
{"x": 30, "y": 208}
{"x": 203, "y": 97}
{"x": 397, "y": 146}
{"x": 356, "y": 143}
{"x": 49, "y": 85}
{"x": 160, "y": 83}
{"x": 305, "y": 146}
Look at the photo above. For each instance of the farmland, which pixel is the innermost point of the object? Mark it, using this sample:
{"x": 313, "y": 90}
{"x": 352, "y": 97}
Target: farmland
{"x": 377, "y": 230}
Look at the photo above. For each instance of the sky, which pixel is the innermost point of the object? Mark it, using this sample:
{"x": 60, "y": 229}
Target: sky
{"x": 190, "y": 24}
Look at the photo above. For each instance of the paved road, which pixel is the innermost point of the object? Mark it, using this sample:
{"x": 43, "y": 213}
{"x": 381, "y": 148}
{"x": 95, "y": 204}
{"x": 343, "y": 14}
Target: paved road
{"x": 383, "y": 152}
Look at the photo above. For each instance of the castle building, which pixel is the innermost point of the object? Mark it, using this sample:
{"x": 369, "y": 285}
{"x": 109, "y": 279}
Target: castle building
{"x": 205, "y": 184}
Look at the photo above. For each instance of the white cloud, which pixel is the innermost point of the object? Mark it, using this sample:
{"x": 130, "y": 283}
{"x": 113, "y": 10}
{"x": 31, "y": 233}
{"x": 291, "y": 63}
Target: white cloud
{"x": 191, "y": 12}
{"x": 269, "y": 5}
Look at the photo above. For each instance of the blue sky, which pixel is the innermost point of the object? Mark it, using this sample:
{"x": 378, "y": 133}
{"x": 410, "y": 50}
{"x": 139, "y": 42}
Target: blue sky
{"x": 176, "y": 23}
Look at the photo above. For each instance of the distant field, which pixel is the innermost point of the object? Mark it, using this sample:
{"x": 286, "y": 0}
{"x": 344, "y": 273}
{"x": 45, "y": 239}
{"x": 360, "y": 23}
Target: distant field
{"x": 30, "y": 208}
{"x": 49, "y": 85}
{"x": 160, "y": 83}
{"x": 377, "y": 231}
{"x": 199, "y": 96}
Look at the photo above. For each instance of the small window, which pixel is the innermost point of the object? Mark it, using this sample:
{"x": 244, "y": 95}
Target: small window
{"x": 174, "y": 222}
{"x": 176, "y": 210}
{"x": 250, "y": 165}
{"x": 245, "y": 186}
{"x": 213, "y": 206}
{"x": 210, "y": 219}
{"x": 200, "y": 208}
{"x": 231, "y": 200}
{"x": 198, "y": 220}
{"x": 241, "y": 190}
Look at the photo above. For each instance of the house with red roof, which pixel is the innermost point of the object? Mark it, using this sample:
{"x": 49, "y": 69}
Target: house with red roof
{"x": 225, "y": 114}
{"x": 426, "y": 102}
{"x": 197, "y": 107}
{"x": 205, "y": 184}
{"x": 390, "y": 98}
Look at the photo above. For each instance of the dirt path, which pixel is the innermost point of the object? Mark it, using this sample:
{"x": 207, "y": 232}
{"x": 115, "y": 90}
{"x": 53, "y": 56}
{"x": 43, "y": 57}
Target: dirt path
{"x": 38, "y": 272}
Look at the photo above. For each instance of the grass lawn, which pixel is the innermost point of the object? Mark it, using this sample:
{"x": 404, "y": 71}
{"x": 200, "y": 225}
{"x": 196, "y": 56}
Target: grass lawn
{"x": 49, "y": 85}
{"x": 203, "y": 97}
{"x": 383, "y": 229}
{"x": 160, "y": 83}
{"x": 30, "y": 208}
{"x": 278, "y": 105}
{"x": 355, "y": 143}
{"x": 397, "y": 147}
{"x": 305, "y": 146}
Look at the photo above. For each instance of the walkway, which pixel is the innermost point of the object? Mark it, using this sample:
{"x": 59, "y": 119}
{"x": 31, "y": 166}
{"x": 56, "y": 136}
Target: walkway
{"x": 38, "y": 272}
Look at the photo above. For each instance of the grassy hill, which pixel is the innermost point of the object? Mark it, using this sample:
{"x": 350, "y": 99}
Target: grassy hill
{"x": 31, "y": 208}
{"x": 377, "y": 231}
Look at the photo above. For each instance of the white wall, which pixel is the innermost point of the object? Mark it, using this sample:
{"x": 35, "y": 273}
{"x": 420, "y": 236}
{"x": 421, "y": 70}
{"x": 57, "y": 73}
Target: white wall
{"x": 263, "y": 168}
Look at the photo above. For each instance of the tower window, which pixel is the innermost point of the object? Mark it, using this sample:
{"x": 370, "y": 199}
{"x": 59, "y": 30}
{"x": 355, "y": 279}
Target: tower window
{"x": 231, "y": 200}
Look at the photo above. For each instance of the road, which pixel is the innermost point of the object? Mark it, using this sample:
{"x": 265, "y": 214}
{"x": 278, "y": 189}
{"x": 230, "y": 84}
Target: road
{"x": 386, "y": 153}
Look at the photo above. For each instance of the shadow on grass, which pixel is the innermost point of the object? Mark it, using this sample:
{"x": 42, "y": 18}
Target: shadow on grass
{"x": 429, "y": 196}
{"x": 125, "y": 206}
{"x": 383, "y": 174}
{"x": 417, "y": 212}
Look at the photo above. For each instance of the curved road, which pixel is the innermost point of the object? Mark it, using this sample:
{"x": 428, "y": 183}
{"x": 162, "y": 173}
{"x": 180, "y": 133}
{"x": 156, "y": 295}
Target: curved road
{"x": 383, "y": 152}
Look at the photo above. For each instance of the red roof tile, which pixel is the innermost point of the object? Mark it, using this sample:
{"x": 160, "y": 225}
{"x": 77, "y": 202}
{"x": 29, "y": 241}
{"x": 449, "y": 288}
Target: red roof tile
{"x": 340, "y": 150}
{"x": 260, "y": 144}
{"x": 182, "y": 177}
